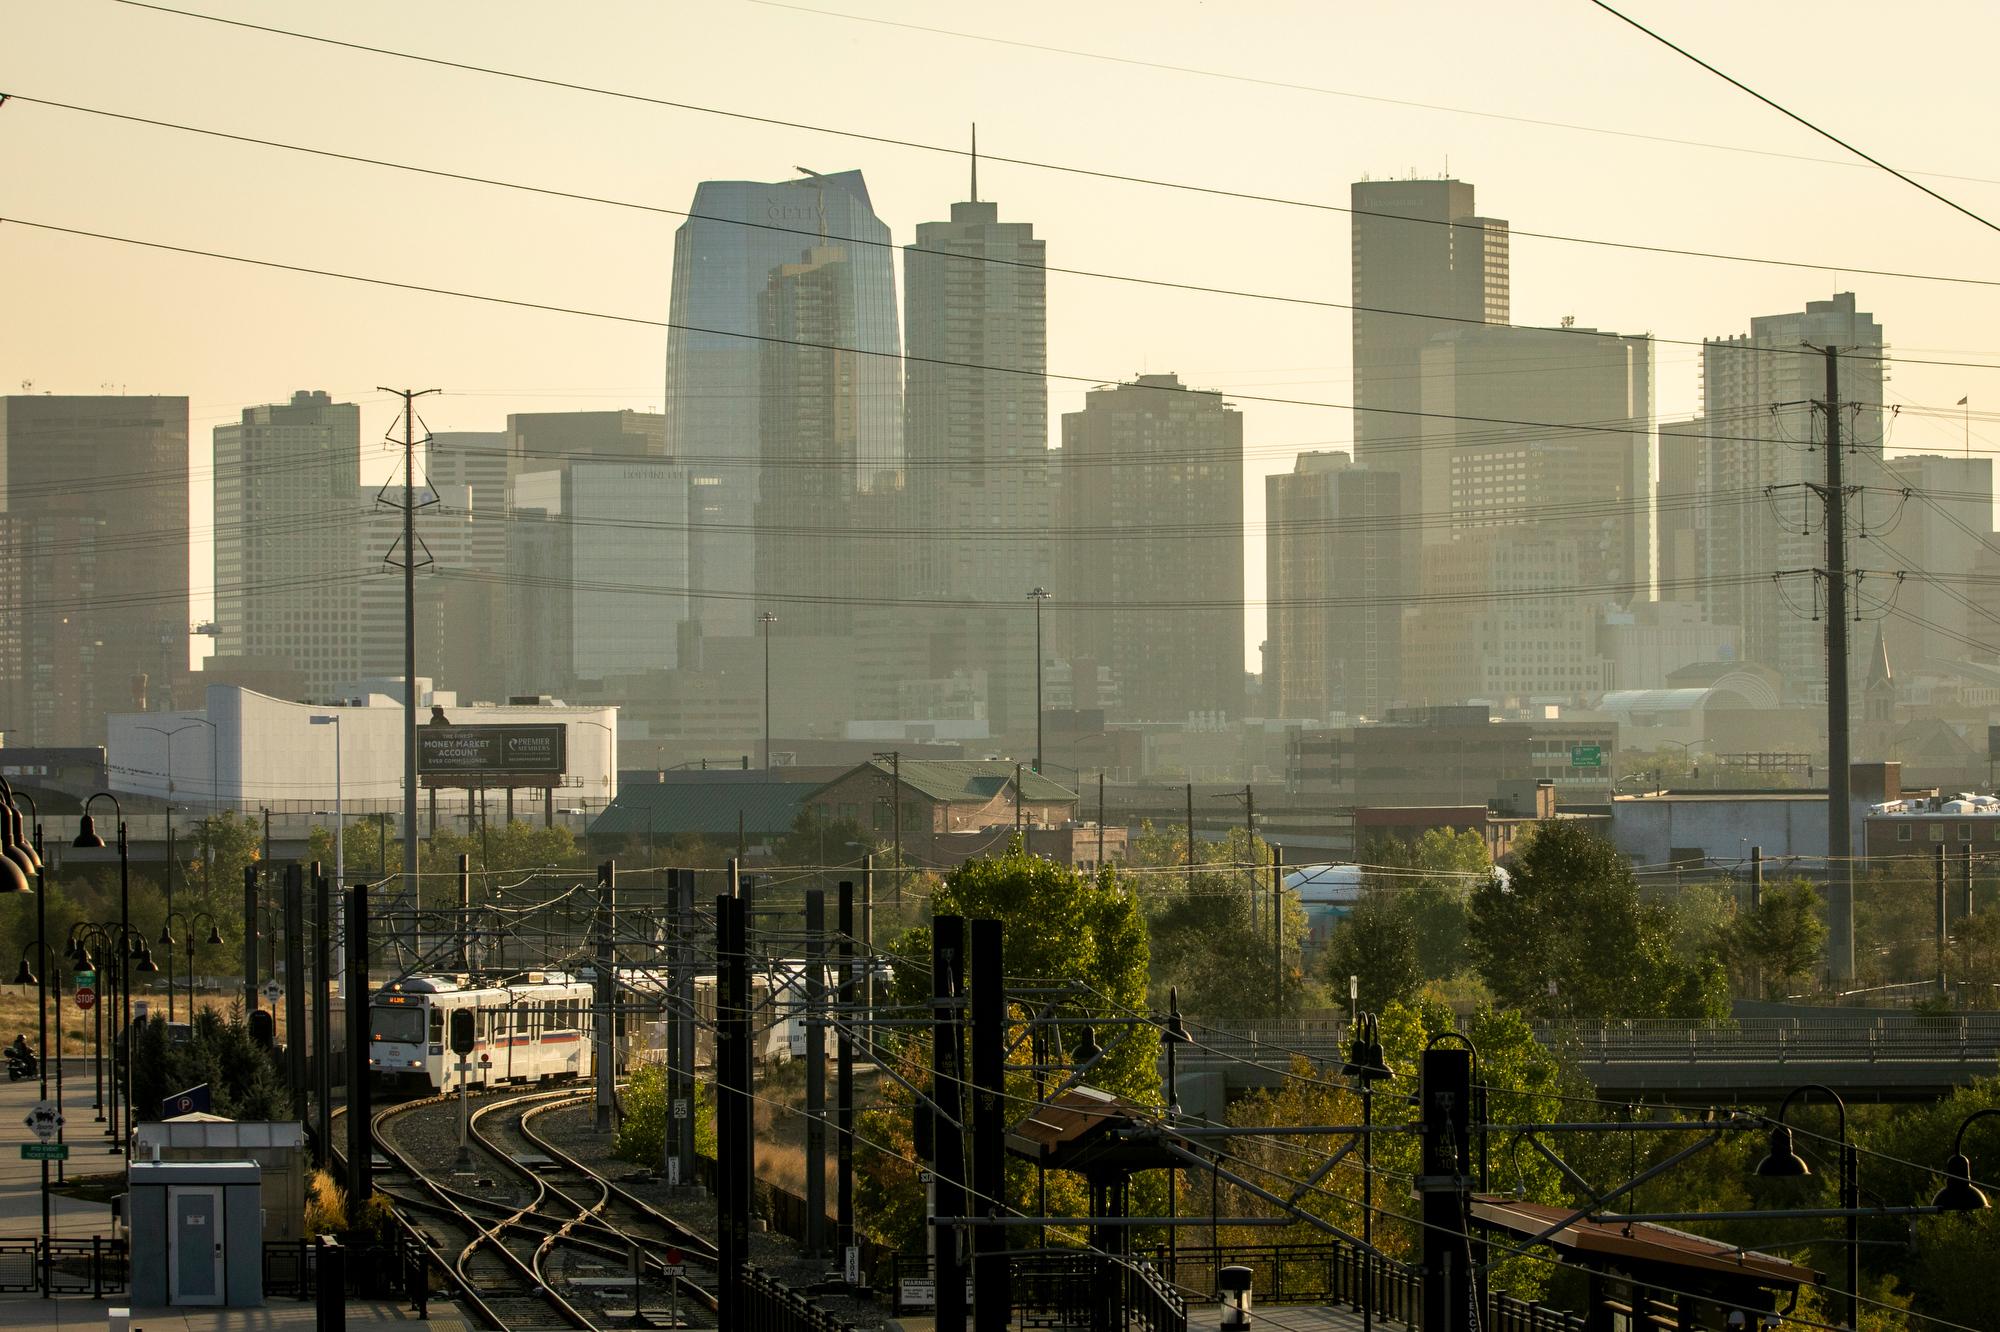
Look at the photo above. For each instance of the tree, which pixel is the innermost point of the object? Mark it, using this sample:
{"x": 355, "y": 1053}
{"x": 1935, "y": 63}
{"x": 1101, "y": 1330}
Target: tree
{"x": 1566, "y": 935}
{"x": 1211, "y": 940}
{"x": 243, "y": 1082}
{"x": 1430, "y": 882}
{"x": 1377, "y": 945}
{"x": 1781, "y": 938}
{"x": 817, "y": 839}
{"x": 1057, "y": 925}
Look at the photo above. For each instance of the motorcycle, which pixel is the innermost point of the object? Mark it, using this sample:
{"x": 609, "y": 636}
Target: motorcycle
{"x": 19, "y": 1067}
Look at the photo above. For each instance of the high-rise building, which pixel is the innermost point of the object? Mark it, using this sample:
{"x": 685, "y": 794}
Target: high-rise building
{"x": 1509, "y": 630}
{"x": 814, "y": 565}
{"x": 1676, "y": 540}
{"x": 93, "y": 562}
{"x": 1424, "y": 263}
{"x": 599, "y": 571}
{"x": 1154, "y": 471}
{"x": 976, "y": 413}
{"x": 1333, "y": 629}
{"x": 724, "y": 255}
{"x": 1758, "y": 545}
{"x": 1940, "y": 528}
{"x": 1548, "y": 429}
{"x": 290, "y": 519}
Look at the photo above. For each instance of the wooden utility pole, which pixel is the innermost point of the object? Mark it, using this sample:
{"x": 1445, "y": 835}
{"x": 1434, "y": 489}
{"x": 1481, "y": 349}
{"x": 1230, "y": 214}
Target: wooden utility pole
{"x": 1839, "y": 843}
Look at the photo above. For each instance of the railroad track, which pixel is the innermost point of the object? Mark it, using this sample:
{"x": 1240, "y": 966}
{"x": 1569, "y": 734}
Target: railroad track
{"x": 532, "y": 1238}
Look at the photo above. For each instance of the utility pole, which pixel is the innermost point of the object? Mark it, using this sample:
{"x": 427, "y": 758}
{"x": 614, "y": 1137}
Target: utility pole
{"x": 680, "y": 1063}
{"x": 815, "y": 1245}
{"x": 409, "y": 567}
{"x": 1038, "y": 596}
{"x": 767, "y": 619}
{"x": 1277, "y": 932}
{"x": 868, "y": 953}
{"x": 1965, "y": 876}
{"x": 360, "y": 1144}
{"x": 1100, "y": 819}
{"x": 843, "y": 1093}
{"x": 1839, "y": 843}
{"x": 464, "y": 911}
{"x": 1943, "y": 927}
{"x": 1018, "y": 824}
{"x": 735, "y": 1148}
{"x": 249, "y": 939}
{"x": 947, "y": 1126}
{"x": 322, "y": 1053}
{"x": 295, "y": 988}
{"x": 607, "y": 908}
{"x": 1190, "y": 831}
{"x": 994, "y": 1308}
{"x": 1756, "y": 904}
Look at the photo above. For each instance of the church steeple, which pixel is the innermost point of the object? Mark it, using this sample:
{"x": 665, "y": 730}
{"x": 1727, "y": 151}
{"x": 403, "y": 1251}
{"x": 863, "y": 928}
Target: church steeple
{"x": 1878, "y": 696}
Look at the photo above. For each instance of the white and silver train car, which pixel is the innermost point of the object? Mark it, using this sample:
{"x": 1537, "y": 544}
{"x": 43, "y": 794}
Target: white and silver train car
{"x": 530, "y": 1028}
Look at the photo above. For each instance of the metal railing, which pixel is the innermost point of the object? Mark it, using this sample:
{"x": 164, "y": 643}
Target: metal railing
{"x": 95, "y": 1266}
{"x": 771, "y": 1306}
{"x": 1332, "y": 1272}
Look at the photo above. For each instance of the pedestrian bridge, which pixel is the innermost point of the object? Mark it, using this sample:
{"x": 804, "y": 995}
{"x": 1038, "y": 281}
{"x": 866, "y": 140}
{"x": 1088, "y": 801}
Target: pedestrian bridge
{"x": 1864, "y": 1058}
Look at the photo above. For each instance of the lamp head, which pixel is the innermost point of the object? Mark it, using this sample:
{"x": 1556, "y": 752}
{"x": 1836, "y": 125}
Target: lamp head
{"x": 144, "y": 962}
{"x": 1783, "y": 1162}
{"x": 24, "y": 976}
{"x": 80, "y": 956}
{"x": 86, "y": 833}
{"x": 1086, "y": 1049}
{"x": 1959, "y": 1193}
{"x": 1176, "y": 1029}
{"x": 166, "y": 938}
{"x": 214, "y": 935}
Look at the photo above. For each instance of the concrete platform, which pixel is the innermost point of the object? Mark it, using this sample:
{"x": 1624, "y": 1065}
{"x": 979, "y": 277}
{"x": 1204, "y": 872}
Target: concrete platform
{"x": 86, "y": 1315}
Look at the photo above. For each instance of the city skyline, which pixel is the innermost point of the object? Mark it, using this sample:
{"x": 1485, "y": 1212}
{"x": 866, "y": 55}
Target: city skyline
{"x": 1533, "y": 175}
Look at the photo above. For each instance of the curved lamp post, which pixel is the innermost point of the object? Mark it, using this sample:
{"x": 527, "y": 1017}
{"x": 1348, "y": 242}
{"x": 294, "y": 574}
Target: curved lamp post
{"x": 1784, "y": 1163}
{"x": 1959, "y": 1193}
{"x": 87, "y": 838}
{"x": 166, "y": 941}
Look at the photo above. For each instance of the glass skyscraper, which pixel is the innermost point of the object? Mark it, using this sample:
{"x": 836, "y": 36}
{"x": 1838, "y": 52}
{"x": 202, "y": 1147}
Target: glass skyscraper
{"x": 725, "y": 256}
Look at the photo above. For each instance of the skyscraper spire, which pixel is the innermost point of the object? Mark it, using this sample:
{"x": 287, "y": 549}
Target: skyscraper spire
{"x": 975, "y": 161}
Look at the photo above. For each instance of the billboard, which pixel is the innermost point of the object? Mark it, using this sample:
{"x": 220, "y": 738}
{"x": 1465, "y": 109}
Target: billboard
{"x": 504, "y": 755}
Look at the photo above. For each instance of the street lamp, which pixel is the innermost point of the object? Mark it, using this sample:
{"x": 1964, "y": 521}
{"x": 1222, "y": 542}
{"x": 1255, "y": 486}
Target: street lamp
{"x": 1784, "y": 1163}
{"x": 1959, "y": 1193}
{"x": 87, "y": 838}
{"x": 166, "y": 941}
{"x": 1367, "y": 1065}
{"x": 173, "y": 857}
{"x": 767, "y": 619}
{"x": 339, "y": 844}
{"x": 12, "y": 813}
{"x": 1038, "y": 596}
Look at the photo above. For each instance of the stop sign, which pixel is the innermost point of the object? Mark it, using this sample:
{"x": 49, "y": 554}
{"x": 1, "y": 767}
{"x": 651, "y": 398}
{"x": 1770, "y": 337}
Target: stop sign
{"x": 86, "y": 998}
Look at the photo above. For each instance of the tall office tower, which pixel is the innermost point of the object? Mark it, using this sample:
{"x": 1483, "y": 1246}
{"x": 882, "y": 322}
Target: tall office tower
{"x": 976, "y": 428}
{"x": 724, "y": 256}
{"x": 289, "y": 550}
{"x": 1582, "y": 470}
{"x": 93, "y": 562}
{"x": 1510, "y": 634}
{"x": 600, "y": 571}
{"x": 547, "y": 441}
{"x": 1156, "y": 471}
{"x": 1334, "y": 624}
{"x": 1677, "y": 550}
{"x": 815, "y": 563}
{"x": 1941, "y": 528}
{"x": 470, "y": 472}
{"x": 1761, "y": 431}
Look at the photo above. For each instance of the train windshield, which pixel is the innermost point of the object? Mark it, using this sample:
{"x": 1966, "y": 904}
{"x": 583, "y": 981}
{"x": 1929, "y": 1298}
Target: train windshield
{"x": 404, "y": 1026}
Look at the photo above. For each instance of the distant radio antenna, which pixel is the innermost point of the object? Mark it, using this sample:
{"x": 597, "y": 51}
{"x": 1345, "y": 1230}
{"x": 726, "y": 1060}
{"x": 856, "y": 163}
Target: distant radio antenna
{"x": 975, "y": 161}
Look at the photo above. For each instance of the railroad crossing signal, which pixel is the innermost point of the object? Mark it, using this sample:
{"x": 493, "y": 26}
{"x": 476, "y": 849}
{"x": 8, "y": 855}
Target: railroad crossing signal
{"x": 86, "y": 998}
{"x": 45, "y": 1120}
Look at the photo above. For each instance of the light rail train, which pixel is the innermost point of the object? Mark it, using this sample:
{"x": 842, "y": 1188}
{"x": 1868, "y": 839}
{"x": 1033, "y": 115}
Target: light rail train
{"x": 534, "y": 1027}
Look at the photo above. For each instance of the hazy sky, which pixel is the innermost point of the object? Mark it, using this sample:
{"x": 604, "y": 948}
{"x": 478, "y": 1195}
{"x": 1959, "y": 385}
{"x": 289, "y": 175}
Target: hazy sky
{"x": 84, "y": 316}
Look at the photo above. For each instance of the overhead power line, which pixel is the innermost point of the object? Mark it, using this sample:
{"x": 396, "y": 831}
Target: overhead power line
{"x": 955, "y": 151}
{"x": 1321, "y": 90}
{"x": 1790, "y": 114}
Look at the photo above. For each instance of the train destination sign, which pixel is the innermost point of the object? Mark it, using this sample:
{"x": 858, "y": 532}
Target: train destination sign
{"x": 526, "y": 754}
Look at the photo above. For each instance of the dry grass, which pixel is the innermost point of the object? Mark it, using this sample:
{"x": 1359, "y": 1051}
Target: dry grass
{"x": 17, "y": 1014}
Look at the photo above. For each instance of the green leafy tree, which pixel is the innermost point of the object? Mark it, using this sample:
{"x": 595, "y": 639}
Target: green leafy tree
{"x": 242, "y": 1080}
{"x": 1567, "y": 936}
{"x": 1781, "y": 938}
{"x": 642, "y": 1133}
{"x": 1211, "y": 941}
{"x": 1430, "y": 882}
{"x": 1377, "y": 945}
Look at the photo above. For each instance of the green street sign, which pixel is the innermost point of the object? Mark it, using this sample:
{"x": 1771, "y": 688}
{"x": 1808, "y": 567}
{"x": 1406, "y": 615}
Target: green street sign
{"x": 1586, "y": 756}
{"x": 84, "y": 980}
{"x": 45, "y": 1151}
